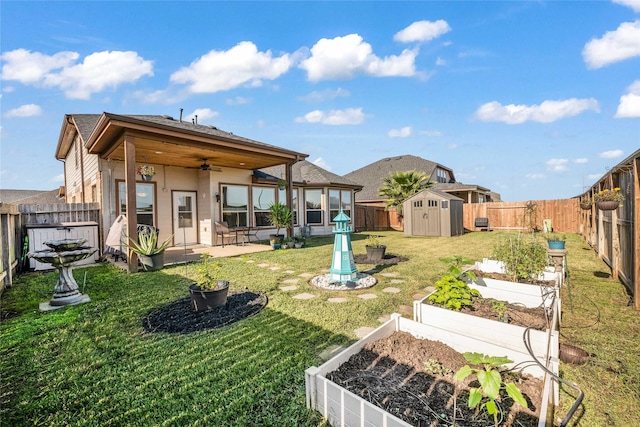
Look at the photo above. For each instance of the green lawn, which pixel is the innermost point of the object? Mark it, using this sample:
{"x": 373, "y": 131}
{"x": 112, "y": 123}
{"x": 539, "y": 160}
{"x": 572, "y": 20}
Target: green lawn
{"x": 94, "y": 364}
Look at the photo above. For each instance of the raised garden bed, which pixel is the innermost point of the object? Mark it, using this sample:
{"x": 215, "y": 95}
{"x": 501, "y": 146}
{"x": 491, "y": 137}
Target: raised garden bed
{"x": 342, "y": 407}
{"x": 496, "y": 269}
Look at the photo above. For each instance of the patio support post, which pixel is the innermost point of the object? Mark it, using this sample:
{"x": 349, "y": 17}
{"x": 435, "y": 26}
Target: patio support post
{"x": 130, "y": 201}
{"x": 288, "y": 177}
{"x": 636, "y": 232}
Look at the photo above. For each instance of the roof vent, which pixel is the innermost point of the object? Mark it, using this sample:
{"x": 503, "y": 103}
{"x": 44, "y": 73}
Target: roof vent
{"x": 213, "y": 127}
{"x": 168, "y": 117}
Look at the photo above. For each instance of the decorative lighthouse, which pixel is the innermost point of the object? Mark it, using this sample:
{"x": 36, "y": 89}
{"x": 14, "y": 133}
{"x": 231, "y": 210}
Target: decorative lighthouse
{"x": 343, "y": 267}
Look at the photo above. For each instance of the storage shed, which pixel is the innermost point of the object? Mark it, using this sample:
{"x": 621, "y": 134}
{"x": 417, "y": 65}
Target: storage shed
{"x": 433, "y": 213}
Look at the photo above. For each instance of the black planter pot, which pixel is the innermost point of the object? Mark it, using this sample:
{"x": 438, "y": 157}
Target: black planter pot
{"x": 152, "y": 262}
{"x": 208, "y": 299}
{"x": 375, "y": 253}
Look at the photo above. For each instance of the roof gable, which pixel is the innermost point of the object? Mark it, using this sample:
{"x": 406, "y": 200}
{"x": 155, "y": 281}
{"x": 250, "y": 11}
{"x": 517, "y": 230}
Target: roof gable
{"x": 305, "y": 172}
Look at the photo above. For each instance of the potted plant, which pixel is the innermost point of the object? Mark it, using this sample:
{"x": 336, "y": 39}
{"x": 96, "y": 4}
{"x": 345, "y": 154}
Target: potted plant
{"x": 208, "y": 292}
{"x": 150, "y": 253}
{"x": 608, "y": 200}
{"x": 288, "y": 241}
{"x": 146, "y": 172}
{"x": 375, "y": 251}
{"x": 586, "y": 203}
{"x": 298, "y": 241}
{"x": 280, "y": 216}
{"x": 556, "y": 241}
{"x": 282, "y": 184}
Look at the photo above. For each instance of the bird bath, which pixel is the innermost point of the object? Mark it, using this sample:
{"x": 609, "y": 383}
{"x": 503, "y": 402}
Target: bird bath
{"x": 61, "y": 255}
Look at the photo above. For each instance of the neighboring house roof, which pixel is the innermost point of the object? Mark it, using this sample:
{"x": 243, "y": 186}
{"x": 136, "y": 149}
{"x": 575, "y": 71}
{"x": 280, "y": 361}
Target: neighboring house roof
{"x": 167, "y": 141}
{"x": 455, "y": 186}
{"x": 307, "y": 173}
{"x": 370, "y": 176}
{"x": 30, "y": 197}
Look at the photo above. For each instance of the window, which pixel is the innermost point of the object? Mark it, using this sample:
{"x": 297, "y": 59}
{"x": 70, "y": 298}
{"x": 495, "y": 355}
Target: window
{"x": 313, "y": 203}
{"x": 442, "y": 175}
{"x": 282, "y": 198}
{"x": 263, "y": 198}
{"x": 235, "y": 205}
{"x": 339, "y": 199}
{"x": 145, "y": 202}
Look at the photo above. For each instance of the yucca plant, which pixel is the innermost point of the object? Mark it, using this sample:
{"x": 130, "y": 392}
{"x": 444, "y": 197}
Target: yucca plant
{"x": 147, "y": 243}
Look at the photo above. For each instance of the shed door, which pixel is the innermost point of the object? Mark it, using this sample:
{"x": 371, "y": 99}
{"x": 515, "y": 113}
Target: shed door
{"x": 418, "y": 223}
{"x": 432, "y": 218}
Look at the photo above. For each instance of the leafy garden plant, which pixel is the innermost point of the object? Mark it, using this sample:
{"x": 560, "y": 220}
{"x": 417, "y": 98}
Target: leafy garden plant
{"x": 524, "y": 256}
{"x": 609, "y": 195}
{"x": 490, "y": 379}
{"x": 207, "y": 272}
{"x": 147, "y": 243}
{"x": 452, "y": 291}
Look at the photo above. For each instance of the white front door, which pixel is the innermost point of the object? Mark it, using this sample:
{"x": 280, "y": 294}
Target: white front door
{"x": 185, "y": 218}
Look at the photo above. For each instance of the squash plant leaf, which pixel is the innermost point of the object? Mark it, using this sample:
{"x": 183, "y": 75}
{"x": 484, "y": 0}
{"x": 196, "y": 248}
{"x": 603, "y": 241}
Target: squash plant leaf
{"x": 475, "y": 396}
{"x": 514, "y": 392}
{"x": 490, "y": 382}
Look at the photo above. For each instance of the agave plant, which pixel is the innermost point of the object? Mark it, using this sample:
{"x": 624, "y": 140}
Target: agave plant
{"x": 147, "y": 243}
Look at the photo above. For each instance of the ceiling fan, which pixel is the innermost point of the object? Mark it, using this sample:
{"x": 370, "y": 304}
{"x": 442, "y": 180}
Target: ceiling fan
{"x": 204, "y": 166}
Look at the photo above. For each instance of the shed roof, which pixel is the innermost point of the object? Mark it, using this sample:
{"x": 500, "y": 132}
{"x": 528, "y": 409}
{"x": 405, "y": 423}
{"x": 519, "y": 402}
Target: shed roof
{"x": 437, "y": 193}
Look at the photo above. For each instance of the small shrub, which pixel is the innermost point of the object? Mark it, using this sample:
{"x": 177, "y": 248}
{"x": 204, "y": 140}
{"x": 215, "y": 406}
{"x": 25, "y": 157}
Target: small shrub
{"x": 524, "y": 257}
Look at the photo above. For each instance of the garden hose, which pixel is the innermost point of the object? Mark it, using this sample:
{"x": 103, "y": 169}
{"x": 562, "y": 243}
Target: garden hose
{"x": 578, "y": 401}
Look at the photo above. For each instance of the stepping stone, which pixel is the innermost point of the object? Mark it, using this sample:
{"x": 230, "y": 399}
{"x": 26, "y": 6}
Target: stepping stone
{"x": 389, "y": 274}
{"x": 274, "y": 268}
{"x": 340, "y": 299}
{"x": 304, "y": 296}
{"x": 391, "y": 290}
{"x": 406, "y": 309}
{"x": 418, "y": 296}
{"x": 249, "y": 261}
{"x": 291, "y": 281}
{"x": 368, "y": 296}
{"x": 397, "y": 281}
{"x": 430, "y": 289}
{"x": 289, "y": 271}
{"x": 383, "y": 319}
{"x": 305, "y": 275}
{"x": 330, "y": 351}
{"x": 363, "y": 331}
{"x": 288, "y": 288}
{"x": 262, "y": 265}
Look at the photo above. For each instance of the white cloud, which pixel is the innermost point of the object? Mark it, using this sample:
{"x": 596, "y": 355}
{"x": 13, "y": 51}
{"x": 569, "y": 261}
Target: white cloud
{"x": 97, "y": 71}
{"x": 327, "y": 94}
{"x": 203, "y": 114}
{"x": 581, "y": 160}
{"x": 441, "y": 62}
{"x": 421, "y": 31}
{"x": 58, "y": 178}
{"x": 614, "y": 46}
{"x": 348, "y": 56}
{"x": 400, "y": 133}
{"x": 223, "y": 70}
{"x": 547, "y": 112}
{"x": 350, "y": 116}
{"x": 535, "y": 175}
{"x": 612, "y": 154}
{"x": 633, "y": 4}
{"x": 238, "y": 100}
{"x": 322, "y": 163}
{"x": 557, "y": 165}
{"x": 629, "y": 106}
{"x": 27, "y": 110}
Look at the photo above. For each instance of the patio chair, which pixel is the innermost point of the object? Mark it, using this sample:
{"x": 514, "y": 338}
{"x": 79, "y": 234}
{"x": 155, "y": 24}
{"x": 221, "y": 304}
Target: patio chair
{"x": 222, "y": 230}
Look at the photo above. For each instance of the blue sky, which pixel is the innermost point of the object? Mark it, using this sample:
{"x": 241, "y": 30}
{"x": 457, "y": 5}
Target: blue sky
{"x": 534, "y": 100}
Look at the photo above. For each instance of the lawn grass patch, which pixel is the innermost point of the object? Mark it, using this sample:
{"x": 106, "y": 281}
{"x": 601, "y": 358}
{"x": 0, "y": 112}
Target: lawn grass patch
{"x": 94, "y": 364}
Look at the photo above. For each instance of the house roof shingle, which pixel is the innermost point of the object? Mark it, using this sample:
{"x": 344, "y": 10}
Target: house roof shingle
{"x": 305, "y": 172}
{"x": 370, "y": 176}
{"x": 30, "y": 197}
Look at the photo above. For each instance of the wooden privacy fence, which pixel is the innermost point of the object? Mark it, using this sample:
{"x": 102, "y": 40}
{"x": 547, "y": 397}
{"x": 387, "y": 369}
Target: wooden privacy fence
{"x": 15, "y": 218}
{"x": 564, "y": 215}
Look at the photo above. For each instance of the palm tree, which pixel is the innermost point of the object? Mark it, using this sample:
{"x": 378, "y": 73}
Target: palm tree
{"x": 399, "y": 186}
